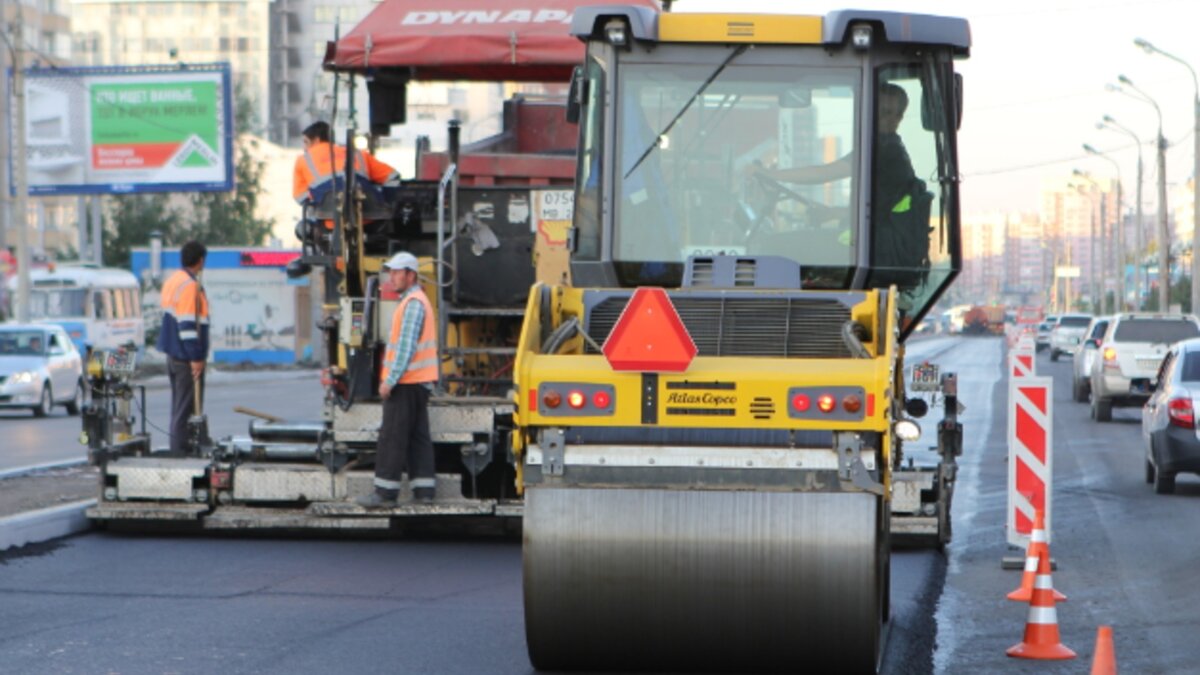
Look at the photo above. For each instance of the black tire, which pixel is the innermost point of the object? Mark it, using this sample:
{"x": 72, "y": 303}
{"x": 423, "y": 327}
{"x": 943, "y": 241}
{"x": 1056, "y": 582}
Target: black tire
{"x": 1101, "y": 409}
{"x": 76, "y": 404}
{"x": 46, "y": 405}
{"x": 1164, "y": 483}
{"x": 1149, "y": 472}
{"x": 1053, "y": 355}
{"x": 1077, "y": 392}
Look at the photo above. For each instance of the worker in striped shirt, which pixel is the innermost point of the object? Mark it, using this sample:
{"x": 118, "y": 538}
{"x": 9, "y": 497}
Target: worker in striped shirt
{"x": 410, "y": 368}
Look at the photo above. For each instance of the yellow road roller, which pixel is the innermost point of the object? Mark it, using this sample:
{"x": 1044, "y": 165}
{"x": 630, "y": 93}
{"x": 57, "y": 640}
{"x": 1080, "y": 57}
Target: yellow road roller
{"x": 711, "y": 412}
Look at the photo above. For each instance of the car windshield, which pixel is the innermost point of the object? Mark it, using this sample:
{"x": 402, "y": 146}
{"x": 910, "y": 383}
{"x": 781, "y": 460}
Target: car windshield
{"x": 1155, "y": 330}
{"x": 22, "y": 343}
{"x": 1074, "y": 321}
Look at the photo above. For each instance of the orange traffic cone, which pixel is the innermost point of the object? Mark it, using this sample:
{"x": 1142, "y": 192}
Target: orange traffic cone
{"x": 1104, "y": 661}
{"x": 1041, "y": 627}
{"x": 1037, "y": 546}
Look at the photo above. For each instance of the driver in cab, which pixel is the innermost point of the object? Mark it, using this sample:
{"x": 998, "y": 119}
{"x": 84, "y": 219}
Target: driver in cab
{"x": 893, "y": 169}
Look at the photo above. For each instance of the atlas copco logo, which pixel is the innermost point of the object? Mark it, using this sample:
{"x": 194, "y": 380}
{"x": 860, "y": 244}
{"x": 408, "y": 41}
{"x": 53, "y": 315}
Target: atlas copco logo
{"x": 464, "y": 17}
{"x": 701, "y": 399}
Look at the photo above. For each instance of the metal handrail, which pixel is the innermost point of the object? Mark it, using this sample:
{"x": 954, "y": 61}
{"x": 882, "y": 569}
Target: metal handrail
{"x": 445, "y": 182}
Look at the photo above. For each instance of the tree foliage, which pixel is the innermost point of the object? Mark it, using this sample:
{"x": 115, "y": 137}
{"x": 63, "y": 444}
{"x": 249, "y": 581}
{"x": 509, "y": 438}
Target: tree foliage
{"x": 130, "y": 219}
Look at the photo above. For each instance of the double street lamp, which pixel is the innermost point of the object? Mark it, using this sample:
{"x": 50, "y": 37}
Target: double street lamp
{"x": 1164, "y": 233}
{"x": 1151, "y": 49}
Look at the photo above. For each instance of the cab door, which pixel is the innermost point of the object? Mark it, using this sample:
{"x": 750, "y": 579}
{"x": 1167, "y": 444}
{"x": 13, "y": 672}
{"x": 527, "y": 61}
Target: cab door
{"x": 63, "y": 363}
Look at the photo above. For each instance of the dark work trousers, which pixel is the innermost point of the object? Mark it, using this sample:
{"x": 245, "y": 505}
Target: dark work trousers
{"x": 404, "y": 442}
{"x": 183, "y": 397}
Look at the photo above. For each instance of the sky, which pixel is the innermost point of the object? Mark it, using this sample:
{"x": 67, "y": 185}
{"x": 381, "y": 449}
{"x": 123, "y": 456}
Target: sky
{"x": 1034, "y": 89}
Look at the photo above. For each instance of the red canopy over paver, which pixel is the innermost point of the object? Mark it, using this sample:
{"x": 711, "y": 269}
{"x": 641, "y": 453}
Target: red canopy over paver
{"x": 510, "y": 40}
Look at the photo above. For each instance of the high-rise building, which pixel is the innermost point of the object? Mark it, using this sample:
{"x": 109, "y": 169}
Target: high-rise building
{"x": 1078, "y": 215}
{"x": 983, "y": 279}
{"x": 301, "y": 91}
{"x": 1026, "y": 260}
{"x": 44, "y": 40}
{"x": 158, "y": 32}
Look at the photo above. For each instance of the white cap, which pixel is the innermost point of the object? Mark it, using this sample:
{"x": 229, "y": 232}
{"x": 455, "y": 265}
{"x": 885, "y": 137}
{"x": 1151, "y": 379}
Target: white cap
{"x": 401, "y": 261}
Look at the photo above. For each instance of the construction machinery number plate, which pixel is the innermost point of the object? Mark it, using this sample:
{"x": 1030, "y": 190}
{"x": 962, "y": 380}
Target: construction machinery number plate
{"x": 925, "y": 377}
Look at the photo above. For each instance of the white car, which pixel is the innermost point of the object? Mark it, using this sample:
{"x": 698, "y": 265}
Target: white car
{"x": 1130, "y": 354}
{"x": 1042, "y": 337}
{"x": 1067, "y": 334}
{"x": 1081, "y": 383}
{"x": 39, "y": 369}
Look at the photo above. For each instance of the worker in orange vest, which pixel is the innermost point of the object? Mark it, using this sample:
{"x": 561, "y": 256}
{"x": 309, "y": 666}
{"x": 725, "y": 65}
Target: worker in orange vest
{"x": 184, "y": 338}
{"x": 410, "y": 369}
{"x": 316, "y": 170}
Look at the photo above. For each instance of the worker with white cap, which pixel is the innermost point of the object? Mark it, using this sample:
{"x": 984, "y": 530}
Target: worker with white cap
{"x": 410, "y": 368}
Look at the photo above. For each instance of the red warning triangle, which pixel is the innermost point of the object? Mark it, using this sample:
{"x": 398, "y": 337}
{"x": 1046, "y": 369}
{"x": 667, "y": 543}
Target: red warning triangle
{"x": 649, "y": 336}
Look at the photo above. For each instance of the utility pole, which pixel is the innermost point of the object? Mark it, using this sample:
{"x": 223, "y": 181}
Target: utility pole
{"x": 1164, "y": 230}
{"x": 20, "y": 202}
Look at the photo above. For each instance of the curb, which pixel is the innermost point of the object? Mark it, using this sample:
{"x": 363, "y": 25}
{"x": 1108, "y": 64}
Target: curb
{"x": 35, "y": 527}
{"x": 26, "y": 470}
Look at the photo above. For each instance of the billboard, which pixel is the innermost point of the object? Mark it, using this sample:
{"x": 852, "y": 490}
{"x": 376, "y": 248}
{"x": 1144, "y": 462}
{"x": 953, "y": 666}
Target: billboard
{"x": 129, "y": 129}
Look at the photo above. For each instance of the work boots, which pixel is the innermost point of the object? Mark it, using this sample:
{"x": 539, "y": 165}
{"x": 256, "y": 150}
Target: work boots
{"x": 379, "y": 499}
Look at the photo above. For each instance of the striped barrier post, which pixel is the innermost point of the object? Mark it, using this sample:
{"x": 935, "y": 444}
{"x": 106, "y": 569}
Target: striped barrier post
{"x": 1021, "y": 363}
{"x": 1030, "y": 455}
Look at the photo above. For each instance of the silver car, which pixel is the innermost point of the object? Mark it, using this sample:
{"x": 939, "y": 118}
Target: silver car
{"x": 39, "y": 369}
{"x": 1169, "y": 434}
{"x": 1081, "y": 382}
{"x": 1067, "y": 334}
{"x": 1130, "y": 353}
{"x": 1042, "y": 337}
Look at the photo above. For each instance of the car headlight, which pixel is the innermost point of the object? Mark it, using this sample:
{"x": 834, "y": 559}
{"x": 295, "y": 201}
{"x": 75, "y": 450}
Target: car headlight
{"x": 24, "y": 377}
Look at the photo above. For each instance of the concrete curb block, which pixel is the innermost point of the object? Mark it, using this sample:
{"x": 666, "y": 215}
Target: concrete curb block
{"x": 44, "y": 524}
{"x": 26, "y": 470}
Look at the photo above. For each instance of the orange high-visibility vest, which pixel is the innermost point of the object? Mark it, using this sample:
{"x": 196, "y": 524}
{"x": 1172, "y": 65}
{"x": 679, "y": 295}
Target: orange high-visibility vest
{"x": 184, "y": 333}
{"x": 314, "y": 169}
{"x": 423, "y": 366}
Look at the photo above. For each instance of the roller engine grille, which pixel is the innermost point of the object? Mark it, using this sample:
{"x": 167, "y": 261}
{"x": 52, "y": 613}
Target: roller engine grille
{"x": 724, "y": 326}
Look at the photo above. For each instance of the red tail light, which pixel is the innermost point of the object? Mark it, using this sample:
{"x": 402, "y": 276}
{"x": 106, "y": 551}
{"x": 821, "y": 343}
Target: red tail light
{"x": 852, "y": 404}
{"x": 801, "y": 402}
{"x": 1180, "y": 411}
{"x": 601, "y": 399}
{"x": 551, "y": 399}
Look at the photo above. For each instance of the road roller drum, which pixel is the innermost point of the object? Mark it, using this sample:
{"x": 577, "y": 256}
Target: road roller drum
{"x": 710, "y": 580}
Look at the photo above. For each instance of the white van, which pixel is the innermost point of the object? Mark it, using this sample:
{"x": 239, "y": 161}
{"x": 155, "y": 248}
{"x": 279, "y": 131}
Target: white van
{"x": 99, "y": 307}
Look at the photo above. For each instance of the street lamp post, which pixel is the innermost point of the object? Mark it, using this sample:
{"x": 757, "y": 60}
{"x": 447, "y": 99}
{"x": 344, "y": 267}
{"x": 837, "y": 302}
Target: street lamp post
{"x": 1119, "y": 226}
{"x": 1164, "y": 233}
{"x": 1109, "y": 123}
{"x": 1151, "y": 49}
{"x": 20, "y": 199}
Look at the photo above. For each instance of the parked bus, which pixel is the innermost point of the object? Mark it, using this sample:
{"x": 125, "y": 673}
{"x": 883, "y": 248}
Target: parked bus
{"x": 100, "y": 307}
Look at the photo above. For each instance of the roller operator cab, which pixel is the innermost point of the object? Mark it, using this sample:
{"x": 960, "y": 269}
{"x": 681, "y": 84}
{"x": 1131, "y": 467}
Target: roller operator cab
{"x": 709, "y": 463}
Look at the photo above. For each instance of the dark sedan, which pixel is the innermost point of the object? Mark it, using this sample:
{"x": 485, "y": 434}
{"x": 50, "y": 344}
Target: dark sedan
{"x": 1169, "y": 430}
